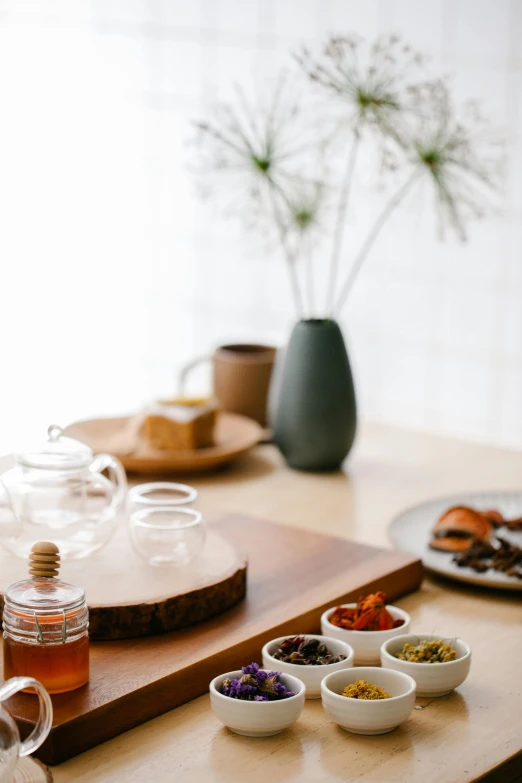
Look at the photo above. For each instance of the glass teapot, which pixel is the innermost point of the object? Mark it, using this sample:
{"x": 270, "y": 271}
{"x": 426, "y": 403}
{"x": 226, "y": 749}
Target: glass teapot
{"x": 57, "y": 493}
{"x": 10, "y": 746}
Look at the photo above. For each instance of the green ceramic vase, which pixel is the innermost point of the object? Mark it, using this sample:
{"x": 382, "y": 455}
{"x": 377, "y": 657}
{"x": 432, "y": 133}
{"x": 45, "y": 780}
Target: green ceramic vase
{"x": 312, "y": 401}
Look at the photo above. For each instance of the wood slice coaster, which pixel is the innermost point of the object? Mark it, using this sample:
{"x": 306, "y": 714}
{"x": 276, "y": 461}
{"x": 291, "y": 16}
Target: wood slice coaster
{"x": 293, "y": 576}
{"x": 127, "y": 598}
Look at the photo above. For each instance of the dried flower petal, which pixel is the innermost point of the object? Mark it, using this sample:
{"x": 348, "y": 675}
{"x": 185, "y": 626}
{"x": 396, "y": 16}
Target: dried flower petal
{"x": 255, "y": 685}
{"x": 302, "y": 652}
{"x": 370, "y": 614}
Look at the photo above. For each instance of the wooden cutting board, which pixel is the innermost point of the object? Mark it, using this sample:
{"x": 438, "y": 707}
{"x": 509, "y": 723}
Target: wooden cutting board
{"x": 293, "y": 576}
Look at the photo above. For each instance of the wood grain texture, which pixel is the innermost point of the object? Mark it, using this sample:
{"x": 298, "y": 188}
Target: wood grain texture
{"x": 293, "y": 577}
{"x": 453, "y": 739}
{"x": 128, "y": 598}
{"x": 471, "y": 735}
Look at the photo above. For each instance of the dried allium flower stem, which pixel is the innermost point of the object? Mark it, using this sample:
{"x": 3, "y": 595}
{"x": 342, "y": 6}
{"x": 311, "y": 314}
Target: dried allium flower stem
{"x": 309, "y": 271}
{"x": 340, "y": 221}
{"x": 289, "y": 255}
{"x": 374, "y": 232}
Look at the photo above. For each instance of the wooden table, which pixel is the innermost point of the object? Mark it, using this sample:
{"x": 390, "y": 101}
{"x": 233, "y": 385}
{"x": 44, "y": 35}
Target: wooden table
{"x": 475, "y": 733}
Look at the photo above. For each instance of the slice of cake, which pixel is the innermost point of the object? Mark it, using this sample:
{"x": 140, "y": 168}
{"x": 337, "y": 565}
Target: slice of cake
{"x": 181, "y": 424}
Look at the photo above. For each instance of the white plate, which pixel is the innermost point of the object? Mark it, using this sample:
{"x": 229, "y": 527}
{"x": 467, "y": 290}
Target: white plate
{"x": 411, "y": 532}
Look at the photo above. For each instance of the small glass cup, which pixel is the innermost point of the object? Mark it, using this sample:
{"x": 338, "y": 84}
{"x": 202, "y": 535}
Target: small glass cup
{"x": 167, "y": 535}
{"x": 163, "y": 493}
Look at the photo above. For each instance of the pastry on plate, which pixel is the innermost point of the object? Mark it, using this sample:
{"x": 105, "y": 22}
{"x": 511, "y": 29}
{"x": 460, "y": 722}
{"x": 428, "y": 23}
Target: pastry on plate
{"x": 180, "y": 424}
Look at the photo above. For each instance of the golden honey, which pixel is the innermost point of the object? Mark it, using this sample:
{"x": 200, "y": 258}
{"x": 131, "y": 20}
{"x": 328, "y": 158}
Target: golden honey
{"x": 45, "y": 627}
{"x": 59, "y": 667}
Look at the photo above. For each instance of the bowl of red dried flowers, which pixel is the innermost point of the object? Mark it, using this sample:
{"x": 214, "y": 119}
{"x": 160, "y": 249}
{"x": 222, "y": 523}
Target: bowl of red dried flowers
{"x": 308, "y": 657}
{"x": 256, "y": 702}
{"x": 365, "y": 626}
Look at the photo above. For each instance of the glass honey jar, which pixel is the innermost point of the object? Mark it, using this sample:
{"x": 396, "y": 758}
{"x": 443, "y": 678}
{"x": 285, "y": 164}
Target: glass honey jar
{"x": 46, "y": 626}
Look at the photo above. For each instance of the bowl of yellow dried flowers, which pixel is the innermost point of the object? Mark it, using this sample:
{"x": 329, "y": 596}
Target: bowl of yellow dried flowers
{"x": 368, "y": 700}
{"x": 437, "y": 664}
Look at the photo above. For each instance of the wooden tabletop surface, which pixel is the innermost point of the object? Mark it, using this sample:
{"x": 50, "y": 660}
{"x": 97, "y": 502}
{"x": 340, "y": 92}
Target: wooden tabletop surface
{"x": 475, "y": 733}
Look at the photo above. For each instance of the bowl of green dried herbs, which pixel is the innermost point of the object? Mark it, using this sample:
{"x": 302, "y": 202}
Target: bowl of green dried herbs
{"x": 438, "y": 664}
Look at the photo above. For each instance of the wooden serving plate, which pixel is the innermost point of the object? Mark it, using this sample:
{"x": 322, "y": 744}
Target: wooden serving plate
{"x": 293, "y": 576}
{"x": 234, "y": 435}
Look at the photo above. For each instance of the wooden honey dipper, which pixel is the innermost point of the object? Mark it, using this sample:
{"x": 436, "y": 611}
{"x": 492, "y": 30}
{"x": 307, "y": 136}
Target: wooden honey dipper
{"x": 44, "y": 560}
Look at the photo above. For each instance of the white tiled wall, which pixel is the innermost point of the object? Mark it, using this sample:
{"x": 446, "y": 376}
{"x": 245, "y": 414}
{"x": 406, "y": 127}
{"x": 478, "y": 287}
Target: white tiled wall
{"x": 113, "y": 274}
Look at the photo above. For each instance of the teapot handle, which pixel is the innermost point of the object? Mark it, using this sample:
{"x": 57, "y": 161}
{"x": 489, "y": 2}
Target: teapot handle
{"x": 10, "y": 525}
{"x": 45, "y": 719}
{"x": 116, "y": 473}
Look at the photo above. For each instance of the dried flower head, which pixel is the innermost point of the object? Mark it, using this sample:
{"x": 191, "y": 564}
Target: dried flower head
{"x": 276, "y": 164}
{"x": 305, "y": 210}
{"x": 258, "y": 152}
{"x": 368, "y": 80}
{"x": 255, "y": 684}
{"x": 459, "y": 154}
{"x": 268, "y": 162}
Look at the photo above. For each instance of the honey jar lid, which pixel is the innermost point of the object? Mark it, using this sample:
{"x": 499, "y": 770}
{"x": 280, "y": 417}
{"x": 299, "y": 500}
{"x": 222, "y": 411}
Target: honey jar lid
{"x": 43, "y": 592}
{"x": 44, "y": 609}
{"x": 44, "y": 596}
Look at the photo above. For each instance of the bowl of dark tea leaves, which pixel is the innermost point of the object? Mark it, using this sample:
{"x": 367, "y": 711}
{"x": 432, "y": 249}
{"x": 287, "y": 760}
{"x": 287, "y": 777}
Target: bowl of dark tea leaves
{"x": 308, "y": 657}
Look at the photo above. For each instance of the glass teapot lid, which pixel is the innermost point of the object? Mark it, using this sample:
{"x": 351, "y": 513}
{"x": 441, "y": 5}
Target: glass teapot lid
{"x": 58, "y": 453}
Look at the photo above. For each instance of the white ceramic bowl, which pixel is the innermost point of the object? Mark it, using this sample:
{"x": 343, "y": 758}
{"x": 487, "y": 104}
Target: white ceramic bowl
{"x": 312, "y": 676}
{"x": 361, "y": 716}
{"x": 366, "y": 644}
{"x": 257, "y": 718}
{"x": 433, "y": 679}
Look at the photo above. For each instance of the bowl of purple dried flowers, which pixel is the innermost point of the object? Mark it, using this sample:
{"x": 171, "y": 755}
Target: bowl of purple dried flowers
{"x": 256, "y": 702}
{"x": 308, "y": 657}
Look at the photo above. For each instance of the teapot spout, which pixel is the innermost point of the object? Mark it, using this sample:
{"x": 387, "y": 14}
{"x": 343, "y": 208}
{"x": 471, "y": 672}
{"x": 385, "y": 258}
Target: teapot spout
{"x": 10, "y": 524}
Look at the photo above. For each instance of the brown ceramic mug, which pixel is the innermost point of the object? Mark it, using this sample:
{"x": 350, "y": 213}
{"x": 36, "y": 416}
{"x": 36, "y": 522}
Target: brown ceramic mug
{"x": 241, "y": 377}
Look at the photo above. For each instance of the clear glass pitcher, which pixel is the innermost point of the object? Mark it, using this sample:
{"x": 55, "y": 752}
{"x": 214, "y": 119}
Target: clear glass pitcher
{"x": 56, "y": 492}
{"x": 11, "y": 749}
